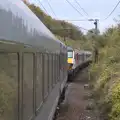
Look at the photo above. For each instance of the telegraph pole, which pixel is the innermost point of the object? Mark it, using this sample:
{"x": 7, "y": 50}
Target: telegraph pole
{"x": 63, "y": 24}
{"x": 96, "y": 26}
{"x": 96, "y": 32}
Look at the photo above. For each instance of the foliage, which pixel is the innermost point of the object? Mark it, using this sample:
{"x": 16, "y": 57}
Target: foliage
{"x": 105, "y": 74}
{"x": 58, "y": 27}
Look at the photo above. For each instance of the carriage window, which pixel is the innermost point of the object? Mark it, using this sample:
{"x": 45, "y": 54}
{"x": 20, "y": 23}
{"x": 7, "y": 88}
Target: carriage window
{"x": 70, "y": 54}
{"x": 39, "y": 82}
{"x": 28, "y": 86}
{"x": 45, "y": 75}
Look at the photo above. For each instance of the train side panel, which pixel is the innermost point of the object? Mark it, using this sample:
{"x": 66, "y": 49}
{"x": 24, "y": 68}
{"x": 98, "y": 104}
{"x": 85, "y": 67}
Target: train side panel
{"x": 32, "y": 73}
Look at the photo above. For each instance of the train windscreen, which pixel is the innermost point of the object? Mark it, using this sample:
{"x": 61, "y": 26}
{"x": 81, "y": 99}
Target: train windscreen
{"x": 70, "y": 54}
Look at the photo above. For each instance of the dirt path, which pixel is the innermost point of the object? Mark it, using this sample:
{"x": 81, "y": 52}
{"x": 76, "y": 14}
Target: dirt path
{"x": 74, "y": 106}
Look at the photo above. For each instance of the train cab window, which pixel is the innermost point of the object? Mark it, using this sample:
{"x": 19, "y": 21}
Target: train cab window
{"x": 70, "y": 54}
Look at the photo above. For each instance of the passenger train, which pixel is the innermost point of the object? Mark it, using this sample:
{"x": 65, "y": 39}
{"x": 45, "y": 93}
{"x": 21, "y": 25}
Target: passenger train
{"x": 33, "y": 65}
{"x": 77, "y": 58}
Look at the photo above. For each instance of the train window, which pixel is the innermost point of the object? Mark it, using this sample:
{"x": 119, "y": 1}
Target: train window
{"x": 83, "y": 56}
{"x": 57, "y": 67}
{"x": 8, "y": 86}
{"x": 70, "y": 54}
{"x": 45, "y": 75}
{"x": 63, "y": 66}
{"x": 50, "y": 72}
{"x": 27, "y": 86}
{"x": 53, "y": 69}
{"x": 80, "y": 57}
{"x": 39, "y": 83}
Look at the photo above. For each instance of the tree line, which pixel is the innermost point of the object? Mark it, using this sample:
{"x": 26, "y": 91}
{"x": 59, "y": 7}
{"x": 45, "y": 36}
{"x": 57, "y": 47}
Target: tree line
{"x": 57, "y": 27}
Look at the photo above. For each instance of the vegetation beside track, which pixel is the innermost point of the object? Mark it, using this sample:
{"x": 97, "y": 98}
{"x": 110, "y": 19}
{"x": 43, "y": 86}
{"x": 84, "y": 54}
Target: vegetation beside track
{"x": 105, "y": 75}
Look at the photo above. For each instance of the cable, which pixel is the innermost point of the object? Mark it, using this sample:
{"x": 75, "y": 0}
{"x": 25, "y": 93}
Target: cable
{"x": 56, "y": 15}
{"x": 51, "y": 9}
{"x": 81, "y": 7}
{"x": 82, "y": 28}
{"x": 42, "y": 6}
{"x": 73, "y": 7}
{"x": 112, "y": 11}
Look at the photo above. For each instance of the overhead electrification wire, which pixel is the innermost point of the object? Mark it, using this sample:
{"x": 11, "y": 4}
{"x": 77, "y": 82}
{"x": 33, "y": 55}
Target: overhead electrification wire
{"x": 112, "y": 10}
{"x": 82, "y": 28}
{"x": 51, "y": 8}
{"x": 42, "y": 6}
{"x": 73, "y": 7}
{"x": 81, "y": 7}
{"x": 56, "y": 15}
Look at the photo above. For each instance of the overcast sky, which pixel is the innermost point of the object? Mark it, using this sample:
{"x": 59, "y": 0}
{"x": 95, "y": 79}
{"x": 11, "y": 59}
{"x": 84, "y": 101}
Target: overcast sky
{"x": 95, "y": 9}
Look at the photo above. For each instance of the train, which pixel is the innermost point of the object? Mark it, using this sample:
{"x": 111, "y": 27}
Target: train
{"x": 76, "y": 59}
{"x": 34, "y": 65}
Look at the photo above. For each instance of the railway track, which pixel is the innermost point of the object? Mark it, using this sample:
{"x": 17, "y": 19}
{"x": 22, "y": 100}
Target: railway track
{"x": 74, "y": 105}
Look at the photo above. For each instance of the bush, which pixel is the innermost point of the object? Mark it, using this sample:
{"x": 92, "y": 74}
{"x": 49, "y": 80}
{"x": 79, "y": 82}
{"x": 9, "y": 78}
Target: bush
{"x": 105, "y": 76}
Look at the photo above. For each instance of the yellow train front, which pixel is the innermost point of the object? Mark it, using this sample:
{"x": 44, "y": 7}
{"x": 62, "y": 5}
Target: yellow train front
{"x": 70, "y": 60}
{"x": 76, "y": 58}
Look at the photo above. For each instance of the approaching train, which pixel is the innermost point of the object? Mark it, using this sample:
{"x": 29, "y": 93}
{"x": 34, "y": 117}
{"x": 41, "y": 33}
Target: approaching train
{"x": 76, "y": 58}
{"x": 33, "y": 65}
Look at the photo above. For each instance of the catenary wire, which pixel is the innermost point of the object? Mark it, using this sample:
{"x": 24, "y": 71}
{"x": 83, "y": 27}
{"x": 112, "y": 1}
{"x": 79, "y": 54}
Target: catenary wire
{"x": 81, "y": 7}
{"x": 112, "y": 10}
{"x": 42, "y": 6}
{"x": 51, "y": 9}
{"x": 73, "y": 7}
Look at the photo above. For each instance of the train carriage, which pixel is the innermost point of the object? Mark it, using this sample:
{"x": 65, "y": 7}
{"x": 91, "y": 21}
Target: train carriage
{"x": 32, "y": 73}
{"x": 70, "y": 60}
{"x": 76, "y": 58}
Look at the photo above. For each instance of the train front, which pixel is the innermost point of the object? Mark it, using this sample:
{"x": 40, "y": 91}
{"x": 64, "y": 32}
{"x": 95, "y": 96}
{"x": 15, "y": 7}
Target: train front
{"x": 70, "y": 60}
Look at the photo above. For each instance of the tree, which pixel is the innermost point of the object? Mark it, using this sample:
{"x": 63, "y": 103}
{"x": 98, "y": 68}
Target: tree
{"x": 58, "y": 27}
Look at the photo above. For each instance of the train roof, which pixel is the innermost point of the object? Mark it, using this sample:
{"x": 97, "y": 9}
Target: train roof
{"x": 86, "y": 52}
{"x": 69, "y": 48}
{"x": 19, "y": 24}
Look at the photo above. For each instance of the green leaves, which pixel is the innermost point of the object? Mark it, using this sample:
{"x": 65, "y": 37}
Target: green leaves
{"x": 106, "y": 73}
{"x": 58, "y": 27}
